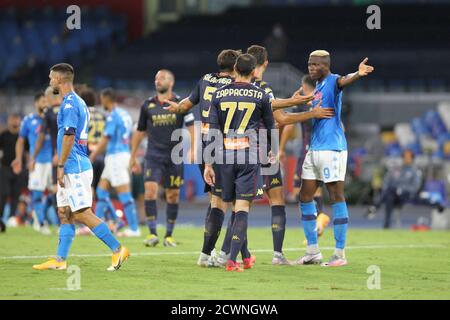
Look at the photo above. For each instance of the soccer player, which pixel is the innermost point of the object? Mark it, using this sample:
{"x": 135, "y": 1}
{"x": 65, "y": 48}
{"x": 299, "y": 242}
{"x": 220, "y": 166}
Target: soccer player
{"x": 236, "y": 111}
{"x": 159, "y": 124}
{"x": 116, "y": 141}
{"x": 308, "y": 86}
{"x": 40, "y": 173}
{"x": 202, "y": 95}
{"x": 74, "y": 197}
{"x": 49, "y": 128}
{"x": 97, "y": 122}
{"x": 273, "y": 184}
{"x": 326, "y": 160}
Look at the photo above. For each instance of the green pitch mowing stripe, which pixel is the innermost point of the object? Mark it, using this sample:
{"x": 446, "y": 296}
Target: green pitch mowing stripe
{"x": 413, "y": 265}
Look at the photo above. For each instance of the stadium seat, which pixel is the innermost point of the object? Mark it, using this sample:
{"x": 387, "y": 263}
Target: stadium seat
{"x": 444, "y": 113}
{"x": 33, "y": 41}
{"x": 36, "y": 38}
{"x": 393, "y": 150}
{"x": 405, "y": 134}
{"x": 56, "y": 53}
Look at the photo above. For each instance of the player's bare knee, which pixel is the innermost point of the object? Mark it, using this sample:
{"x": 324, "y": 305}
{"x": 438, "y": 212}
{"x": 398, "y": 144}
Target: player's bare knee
{"x": 336, "y": 196}
{"x": 276, "y": 197}
{"x": 242, "y": 205}
{"x": 64, "y": 215}
{"x": 306, "y": 197}
{"x": 151, "y": 190}
{"x": 216, "y": 202}
{"x": 277, "y": 201}
{"x": 173, "y": 196}
{"x": 63, "y": 218}
{"x": 150, "y": 194}
{"x": 103, "y": 184}
{"x": 339, "y": 198}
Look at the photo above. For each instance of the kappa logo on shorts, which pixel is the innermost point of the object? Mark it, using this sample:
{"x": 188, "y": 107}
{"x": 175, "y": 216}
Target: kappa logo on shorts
{"x": 260, "y": 192}
{"x": 148, "y": 173}
{"x": 275, "y": 181}
{"x": 235, "y": 237}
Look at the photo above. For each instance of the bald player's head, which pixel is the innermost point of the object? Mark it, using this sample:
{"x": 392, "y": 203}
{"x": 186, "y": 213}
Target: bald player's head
{"x": 319, "y": 64}
{"x": 164, "y": 81}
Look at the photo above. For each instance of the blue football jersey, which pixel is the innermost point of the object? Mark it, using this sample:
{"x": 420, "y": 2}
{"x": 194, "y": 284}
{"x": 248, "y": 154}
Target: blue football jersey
{"x": 74, "y": 116}
{"x": 328, "y": 134}
{"x": 30, "y": 129}
{"x": 118, "y": 129}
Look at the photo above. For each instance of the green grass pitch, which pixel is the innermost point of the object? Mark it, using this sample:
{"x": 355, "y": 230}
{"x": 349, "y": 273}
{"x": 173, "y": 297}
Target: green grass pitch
{"x": 412, "y": 266}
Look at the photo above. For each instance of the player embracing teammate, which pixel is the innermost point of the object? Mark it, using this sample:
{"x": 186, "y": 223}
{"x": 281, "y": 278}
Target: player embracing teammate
{"x": 235, "y": 115}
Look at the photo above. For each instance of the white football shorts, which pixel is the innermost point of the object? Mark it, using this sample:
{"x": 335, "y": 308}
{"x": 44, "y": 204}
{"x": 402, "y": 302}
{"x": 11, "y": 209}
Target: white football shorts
{"x": 41, "y": 177}
{"x": 117, "y": 169}
{"x": 77, "y": 191}
{"x": 324, "y": 165}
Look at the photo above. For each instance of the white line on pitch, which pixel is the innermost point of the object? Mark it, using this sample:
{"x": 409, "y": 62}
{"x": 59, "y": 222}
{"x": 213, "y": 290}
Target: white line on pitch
{"x": 142, "y": 254}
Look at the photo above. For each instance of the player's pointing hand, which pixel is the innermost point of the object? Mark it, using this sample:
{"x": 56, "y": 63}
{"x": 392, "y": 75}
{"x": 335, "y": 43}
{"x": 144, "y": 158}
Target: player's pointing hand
{"x": 364, "y": 69}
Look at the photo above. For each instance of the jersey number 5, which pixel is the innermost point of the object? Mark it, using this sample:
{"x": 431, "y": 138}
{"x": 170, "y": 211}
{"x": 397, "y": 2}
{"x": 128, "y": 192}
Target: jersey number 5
{"x": 248, "y": 107}
{"x": 209, "y": 91}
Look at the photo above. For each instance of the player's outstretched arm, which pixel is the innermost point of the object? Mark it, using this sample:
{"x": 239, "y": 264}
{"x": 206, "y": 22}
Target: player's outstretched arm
{"x": 363, "y": 70}
{"x": 296, "y": 99}
{"x": 184, "y": 106}
{"x": 318, "y": 112}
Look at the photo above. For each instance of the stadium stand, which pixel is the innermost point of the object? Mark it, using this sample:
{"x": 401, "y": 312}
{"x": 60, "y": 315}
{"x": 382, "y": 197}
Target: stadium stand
{"x": 33, "y": 39}
{"x": 189, "y": 57}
